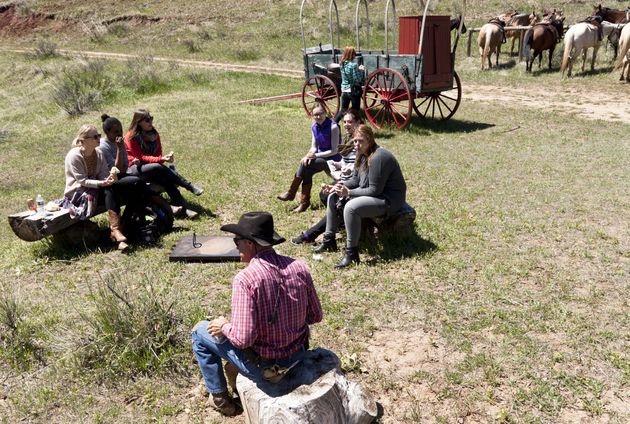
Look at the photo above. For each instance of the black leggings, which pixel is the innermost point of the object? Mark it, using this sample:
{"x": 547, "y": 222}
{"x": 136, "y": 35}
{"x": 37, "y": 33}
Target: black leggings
{"x": 346, "y": 98}
{"x": 164, "y": 176}
{"x": 306, "y": 172}
{"x": 128, "y": 190}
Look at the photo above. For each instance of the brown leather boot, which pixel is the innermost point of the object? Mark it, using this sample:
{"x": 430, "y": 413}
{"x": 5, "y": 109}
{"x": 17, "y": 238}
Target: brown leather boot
{"x": 224, "y": 403}
{"x": 114, "y": 224}
{"x": 305, "y": 198}
{"x": 290, "y": 195}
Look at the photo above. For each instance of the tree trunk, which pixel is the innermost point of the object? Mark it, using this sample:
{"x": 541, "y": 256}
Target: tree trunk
{"x": 315, "y": 391}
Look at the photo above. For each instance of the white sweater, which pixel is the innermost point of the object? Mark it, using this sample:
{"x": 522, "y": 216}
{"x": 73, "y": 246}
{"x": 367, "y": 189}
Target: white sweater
{"x": 77, "y": 178}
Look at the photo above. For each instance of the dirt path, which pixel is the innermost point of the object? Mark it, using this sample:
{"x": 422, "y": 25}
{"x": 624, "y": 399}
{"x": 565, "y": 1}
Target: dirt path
{"x": 607, "y": 106}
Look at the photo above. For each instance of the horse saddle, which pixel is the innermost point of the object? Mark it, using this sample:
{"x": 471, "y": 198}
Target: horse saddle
{"x": 499, "y": 23}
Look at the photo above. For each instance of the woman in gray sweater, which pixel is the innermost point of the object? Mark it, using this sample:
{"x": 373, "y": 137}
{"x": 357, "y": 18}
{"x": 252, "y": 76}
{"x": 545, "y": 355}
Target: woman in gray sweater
{"x": 377, "y": 187}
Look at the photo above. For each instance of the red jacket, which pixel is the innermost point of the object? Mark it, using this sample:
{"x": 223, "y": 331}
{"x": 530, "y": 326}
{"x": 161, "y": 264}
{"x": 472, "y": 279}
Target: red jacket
{"x": 134, "y": 151}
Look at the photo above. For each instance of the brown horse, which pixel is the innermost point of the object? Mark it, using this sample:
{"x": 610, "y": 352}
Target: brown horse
{"x": 522, "y": 19}
{"x": 614, "y": 16}
{"x": 542, "y": 36}
{"x": 491, "y": 36}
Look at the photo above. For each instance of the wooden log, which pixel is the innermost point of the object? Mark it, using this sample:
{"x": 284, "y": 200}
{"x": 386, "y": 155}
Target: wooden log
{"x": 403, "y": 219}
{"x": 315, "y": 391}
{"x": 31, "y": 226}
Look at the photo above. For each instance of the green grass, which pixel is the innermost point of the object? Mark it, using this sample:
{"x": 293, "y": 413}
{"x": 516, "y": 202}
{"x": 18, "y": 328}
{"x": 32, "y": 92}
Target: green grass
{"x": 509, "y": 304}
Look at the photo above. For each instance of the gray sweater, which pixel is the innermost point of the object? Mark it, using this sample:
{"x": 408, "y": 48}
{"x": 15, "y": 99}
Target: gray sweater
{"x": 77, "y": 178}
{"x": 383, "y": 179}
{"x": 110, "y": 150}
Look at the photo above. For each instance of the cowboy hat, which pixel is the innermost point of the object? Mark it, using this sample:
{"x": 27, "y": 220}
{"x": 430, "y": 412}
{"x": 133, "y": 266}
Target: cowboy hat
{"x": 257, "y": 227}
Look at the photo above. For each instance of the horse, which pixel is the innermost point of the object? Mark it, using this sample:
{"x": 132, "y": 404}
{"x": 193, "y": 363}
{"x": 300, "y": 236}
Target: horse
{"x": 522, "y": 19}
{"x": 623, "y": 61}
{"x": 614, "y": 16}
{"x": 542, "y": 36}
{"x": 491, "y": 36}
{"x": 455, "y": 24}
{"x": 581, "y": 37}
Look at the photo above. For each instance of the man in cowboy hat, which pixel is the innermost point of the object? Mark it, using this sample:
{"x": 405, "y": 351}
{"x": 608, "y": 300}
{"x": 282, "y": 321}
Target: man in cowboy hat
{"x": 273, "y": 302}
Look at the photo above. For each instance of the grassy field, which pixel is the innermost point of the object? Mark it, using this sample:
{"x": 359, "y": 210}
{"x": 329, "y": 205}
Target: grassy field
{"x": 507, "y": 304}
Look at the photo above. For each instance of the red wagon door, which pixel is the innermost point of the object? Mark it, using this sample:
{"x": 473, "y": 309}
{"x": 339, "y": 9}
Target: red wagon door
{"x": 437, "y": 72}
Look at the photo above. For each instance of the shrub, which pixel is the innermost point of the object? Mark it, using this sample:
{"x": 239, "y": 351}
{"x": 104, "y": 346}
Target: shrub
{"x": 4, "y": 134}
{"x": 81, "y": 88}
{"x": 118, "y": 29}
{"x": 18, "y": 335}
{"x": 44, "y": 50}
{"x": 132, "y": 329}
{"x": 95, "y": 31}
{"x": 192, "y": 46}
{"x": 142, "y": 75}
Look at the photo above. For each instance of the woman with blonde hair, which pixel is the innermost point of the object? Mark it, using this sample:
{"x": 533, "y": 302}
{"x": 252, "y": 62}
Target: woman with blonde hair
{"x": 144, "y": 150}
{"x": 351, "y": 82}
{"x": 377, "y": 187}
{"x": 89, "y": 180}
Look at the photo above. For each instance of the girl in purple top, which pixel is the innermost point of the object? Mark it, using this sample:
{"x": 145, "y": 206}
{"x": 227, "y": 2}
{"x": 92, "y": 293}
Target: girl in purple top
{"x": 324, "y": 146}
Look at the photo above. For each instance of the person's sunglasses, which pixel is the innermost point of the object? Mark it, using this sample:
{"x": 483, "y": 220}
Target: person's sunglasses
{"x": 319, "y": 114}
{"x": 148, "y": 119}
{"x": 97, "y": 136}
{"x": 238, "y": 239}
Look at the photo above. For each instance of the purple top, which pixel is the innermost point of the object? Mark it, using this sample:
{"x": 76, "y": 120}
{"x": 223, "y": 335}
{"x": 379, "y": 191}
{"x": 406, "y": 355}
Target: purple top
{"x": 322, "y": 136}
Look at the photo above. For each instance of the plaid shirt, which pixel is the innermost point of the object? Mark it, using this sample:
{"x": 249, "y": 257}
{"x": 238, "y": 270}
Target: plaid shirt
{"x": 270, "y": 280}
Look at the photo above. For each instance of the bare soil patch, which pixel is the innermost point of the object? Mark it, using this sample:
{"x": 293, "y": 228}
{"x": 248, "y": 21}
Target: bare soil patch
{"x": 13, "y": 24}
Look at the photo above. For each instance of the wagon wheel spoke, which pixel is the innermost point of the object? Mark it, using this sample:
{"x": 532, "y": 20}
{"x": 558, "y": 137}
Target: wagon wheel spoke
{"x": 447, "y": 97}
{"x": 444, "y": 103}
{"x": 423, "y": 102}
{"x": 437, "y": 103}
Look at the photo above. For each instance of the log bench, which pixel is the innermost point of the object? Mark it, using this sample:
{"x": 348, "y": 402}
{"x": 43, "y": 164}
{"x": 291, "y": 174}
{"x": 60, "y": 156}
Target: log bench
{"x": 393, "y": 224}
{"x": 314, "y": 392}
{"x": 32, "y": 226}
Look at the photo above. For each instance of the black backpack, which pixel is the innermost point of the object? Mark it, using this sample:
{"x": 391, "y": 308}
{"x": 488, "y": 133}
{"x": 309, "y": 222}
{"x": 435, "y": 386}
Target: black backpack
{"x": 146, "y": 225}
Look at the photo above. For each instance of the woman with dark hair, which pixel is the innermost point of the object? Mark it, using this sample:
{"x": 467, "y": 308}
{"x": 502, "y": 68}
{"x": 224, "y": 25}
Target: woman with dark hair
{"x": 377, "y": 187}
{"x": 324, "y": 147}
{"x": 144, "y": 150}
{"x": 89, "y": 180}
{"x": 340, "y": 171}
{"x": 351, "y": 82}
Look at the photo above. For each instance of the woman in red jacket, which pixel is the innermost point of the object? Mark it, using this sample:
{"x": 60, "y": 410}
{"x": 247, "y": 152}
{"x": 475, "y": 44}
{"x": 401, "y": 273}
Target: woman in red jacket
{"x": 146, "y": 161}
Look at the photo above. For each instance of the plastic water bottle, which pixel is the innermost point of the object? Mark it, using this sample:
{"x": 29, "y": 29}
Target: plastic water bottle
{"x": 39, "y": 201}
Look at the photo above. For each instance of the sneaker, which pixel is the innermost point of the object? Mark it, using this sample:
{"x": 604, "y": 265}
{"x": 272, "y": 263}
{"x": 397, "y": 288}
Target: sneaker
{"x": 190, "y": 214}
{"x": 176, "y": 210}
{"x": 301, "y": 239}
{"x": 224, "y": 403}
{"x": 197, "y": 191}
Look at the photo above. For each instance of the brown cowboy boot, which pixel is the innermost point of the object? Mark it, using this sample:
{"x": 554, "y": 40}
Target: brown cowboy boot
{"x": 114, "y": 224}
{"x": 290, "y": 195}
{"x": 224, "y": 403}
{"x": 305, "y": 198}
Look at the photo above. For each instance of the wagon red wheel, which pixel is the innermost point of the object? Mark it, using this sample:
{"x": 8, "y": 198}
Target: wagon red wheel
{"x": 387, "y": 99}
{"x": 320, "y": 89}
{"x": 440, "y": 105}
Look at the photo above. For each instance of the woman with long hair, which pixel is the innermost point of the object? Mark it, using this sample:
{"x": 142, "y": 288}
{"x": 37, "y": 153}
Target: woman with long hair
{"x": 144, "y": 149}
{"x": 324, "y": 147}
{"x": 351, "y": 82}
{"x": 89, "y": 180}
{"x": 377, "y": 187}
{"x": 340, "y": 171}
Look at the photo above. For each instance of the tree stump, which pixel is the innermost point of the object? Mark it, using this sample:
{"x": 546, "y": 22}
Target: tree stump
{"x": 315, "y": 391}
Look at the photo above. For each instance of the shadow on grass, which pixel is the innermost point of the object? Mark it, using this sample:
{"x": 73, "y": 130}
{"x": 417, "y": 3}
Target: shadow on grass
{"x": 544, "y": 70}
{"x": 393, "y": 247}
{"x": 423, "y": 126}
{"x": 203, "y": 211}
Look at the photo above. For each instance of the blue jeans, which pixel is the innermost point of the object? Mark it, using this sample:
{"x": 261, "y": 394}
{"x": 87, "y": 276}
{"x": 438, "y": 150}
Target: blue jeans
{"x": 209, "y": 351}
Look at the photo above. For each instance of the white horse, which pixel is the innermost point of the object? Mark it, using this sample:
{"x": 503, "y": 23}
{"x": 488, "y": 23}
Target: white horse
{"x": 624, "y": 52}
{"x": 581, "y": 37}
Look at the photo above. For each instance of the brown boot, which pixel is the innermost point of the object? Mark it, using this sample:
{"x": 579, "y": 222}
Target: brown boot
{"x": 305, "y": 198}
{"x": 290, "y": 195}
{"x": 114, "y": 224}
{"x": 224, "y": 403}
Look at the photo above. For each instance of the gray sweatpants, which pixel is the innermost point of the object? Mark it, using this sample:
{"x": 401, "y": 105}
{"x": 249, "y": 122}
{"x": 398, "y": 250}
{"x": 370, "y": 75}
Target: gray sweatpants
{"x": 355, "y": 210}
